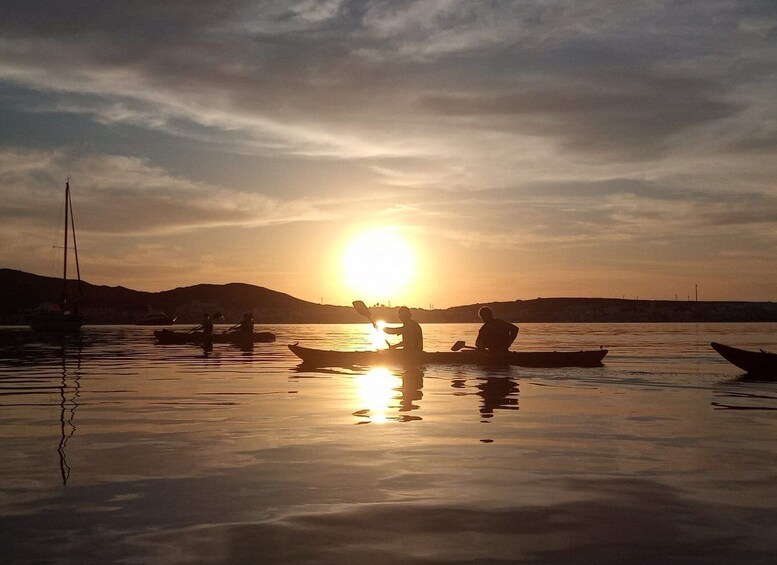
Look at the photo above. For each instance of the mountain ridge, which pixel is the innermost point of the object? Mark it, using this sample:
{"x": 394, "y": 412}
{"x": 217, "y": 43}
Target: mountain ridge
{"x": 21, "y": 292}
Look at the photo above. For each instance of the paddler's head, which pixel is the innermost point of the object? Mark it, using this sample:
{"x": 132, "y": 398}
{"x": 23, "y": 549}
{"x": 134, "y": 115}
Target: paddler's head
{"x": 404, "y": 314}
{"x": 486, "y": 314}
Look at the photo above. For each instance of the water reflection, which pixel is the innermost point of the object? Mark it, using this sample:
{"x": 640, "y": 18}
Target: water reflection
{"x": 497, "y": 393}
{"x": 498, "y": 390}
{"x": 374, "y": 390}
{"x": 179, "y": 457}
{"x": 69, "y": 395}
{"x": 743, "y": 400}
{"x": 382, "y": 391}
{"x": 411, "y": 391}
{"x": 386, "y": 395}
{"x": 35, "y": 366}
{"x": 246, "y": 349}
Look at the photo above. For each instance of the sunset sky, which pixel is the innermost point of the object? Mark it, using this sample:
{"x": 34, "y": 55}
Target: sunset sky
{"x": 516, "y": 149}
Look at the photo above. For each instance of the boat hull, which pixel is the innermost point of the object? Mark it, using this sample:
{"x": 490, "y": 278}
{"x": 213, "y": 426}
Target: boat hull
{"x": 169, "y": 337}
{"x": 56, "y": 323}
{"x": 398, "y": 357}
{"x": 755, "y": 363}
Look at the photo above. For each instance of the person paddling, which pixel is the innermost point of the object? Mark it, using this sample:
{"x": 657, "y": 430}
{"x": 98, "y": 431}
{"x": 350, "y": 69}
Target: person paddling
{"x": 410, "y": 330}
{"x": 245, "y": 327}
{"x": 207, "y": 328}
{"x": 495, "y": 334}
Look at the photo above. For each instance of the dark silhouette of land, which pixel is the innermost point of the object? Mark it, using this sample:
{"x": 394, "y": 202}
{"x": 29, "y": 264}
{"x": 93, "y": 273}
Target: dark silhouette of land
{"x": 20, "y": 292}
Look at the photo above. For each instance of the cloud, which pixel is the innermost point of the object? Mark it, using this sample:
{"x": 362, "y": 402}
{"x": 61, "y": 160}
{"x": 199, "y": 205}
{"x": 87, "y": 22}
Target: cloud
{"x": 577, "y": 214}
{"x": 626, "y": 115}
{"x": 294, "y": 76}
{"x": 505, "y": 124}
{"x": 117, "y": 195}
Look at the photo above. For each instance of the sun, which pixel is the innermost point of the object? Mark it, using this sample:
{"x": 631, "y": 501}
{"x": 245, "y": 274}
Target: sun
{"x": 378, "y": 265}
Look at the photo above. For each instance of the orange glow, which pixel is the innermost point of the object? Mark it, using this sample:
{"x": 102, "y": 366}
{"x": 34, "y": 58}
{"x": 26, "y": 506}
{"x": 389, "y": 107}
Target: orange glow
{"x": 379, "y": 265}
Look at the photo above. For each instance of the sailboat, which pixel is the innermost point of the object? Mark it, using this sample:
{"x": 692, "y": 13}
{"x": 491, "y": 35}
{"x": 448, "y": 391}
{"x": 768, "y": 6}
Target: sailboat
{"x": 63, "y": 317}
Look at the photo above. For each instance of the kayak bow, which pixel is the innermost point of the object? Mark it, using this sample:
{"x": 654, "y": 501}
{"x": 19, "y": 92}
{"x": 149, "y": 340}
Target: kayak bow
{"x": 756, "y": 363}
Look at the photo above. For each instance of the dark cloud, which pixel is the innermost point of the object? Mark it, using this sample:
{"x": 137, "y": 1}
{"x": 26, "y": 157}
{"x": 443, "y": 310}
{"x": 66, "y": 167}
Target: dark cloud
{"x": 79, "y": 20}
{"x": 634, "y": 114}
{"x": 613, "y": 85}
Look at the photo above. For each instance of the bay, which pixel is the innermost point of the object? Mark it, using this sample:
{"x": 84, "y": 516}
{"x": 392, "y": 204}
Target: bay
{"x": 115, "y": 449}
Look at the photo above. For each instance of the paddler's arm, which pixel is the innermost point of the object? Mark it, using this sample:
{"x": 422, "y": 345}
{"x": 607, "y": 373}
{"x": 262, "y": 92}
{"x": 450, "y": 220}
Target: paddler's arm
{"x": 398, "y": 330}
{"x": 479, "y": 342}
{"x": 513, "y": 332}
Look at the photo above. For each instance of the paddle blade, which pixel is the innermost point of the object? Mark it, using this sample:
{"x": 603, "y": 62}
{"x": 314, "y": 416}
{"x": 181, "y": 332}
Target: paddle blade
{"x": 362, "y": 309}
{"x": 458, "y": 345}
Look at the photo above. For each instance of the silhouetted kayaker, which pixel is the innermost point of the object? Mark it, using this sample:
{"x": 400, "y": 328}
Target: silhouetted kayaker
{"x": 410, "y": 330}
{"x": 245, "y": 327}
{"x": 207, "y": 327}
{"x": 495, "y": 334}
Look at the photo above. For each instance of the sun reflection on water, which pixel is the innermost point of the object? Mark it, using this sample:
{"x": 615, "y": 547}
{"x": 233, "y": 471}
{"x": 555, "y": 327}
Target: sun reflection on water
{"x": 377, "y": 337}
{"x": 376, "y": 390}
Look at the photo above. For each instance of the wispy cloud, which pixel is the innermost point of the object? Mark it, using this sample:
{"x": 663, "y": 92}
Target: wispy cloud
{"x": 120, "y": 195}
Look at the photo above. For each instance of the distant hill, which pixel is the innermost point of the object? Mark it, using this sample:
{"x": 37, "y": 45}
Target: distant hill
{"x": 614, "y": 310}
{"x": 20, "y": 292}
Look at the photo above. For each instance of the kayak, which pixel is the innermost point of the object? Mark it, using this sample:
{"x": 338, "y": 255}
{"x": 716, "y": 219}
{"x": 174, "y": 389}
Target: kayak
{"x": 399, "y": 357}
{"x": 168, "y": 337}
{"x": 756, "y": 363}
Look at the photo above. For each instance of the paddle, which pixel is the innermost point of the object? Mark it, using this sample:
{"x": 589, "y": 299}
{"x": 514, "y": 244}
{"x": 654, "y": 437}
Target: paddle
{"x": 233, "y": 328}
{"x": 362, "y": 309}
{"x": 461, "y": 345}
{"x": 216, "y": 316}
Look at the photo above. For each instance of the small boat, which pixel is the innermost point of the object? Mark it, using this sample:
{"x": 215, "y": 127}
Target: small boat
{"x": 399, "y": 357}
{"x": 54, "y": 319}
{"x": 63, "y": 317}
{"x": 755, "y": 363}
{"x": 168, "y": 337}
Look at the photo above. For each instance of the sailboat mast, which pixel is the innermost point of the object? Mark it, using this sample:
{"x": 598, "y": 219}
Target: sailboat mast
{"x": 64, "y": 271}
{"x": 75, "y": 249}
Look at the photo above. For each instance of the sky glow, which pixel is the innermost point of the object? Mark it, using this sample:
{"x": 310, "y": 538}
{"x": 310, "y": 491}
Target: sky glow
{"x": 378, "y": 265}
{"x": 595, "y": 148}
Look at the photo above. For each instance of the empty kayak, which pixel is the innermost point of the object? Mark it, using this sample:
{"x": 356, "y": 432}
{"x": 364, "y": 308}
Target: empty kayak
{"x": 398, "y": 357}
{"x": 756, "y": 363}
{"x": 170, "y": 337}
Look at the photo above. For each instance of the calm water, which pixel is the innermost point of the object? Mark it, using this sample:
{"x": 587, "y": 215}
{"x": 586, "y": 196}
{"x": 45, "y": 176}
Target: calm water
{"x": 118, "y": 450}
